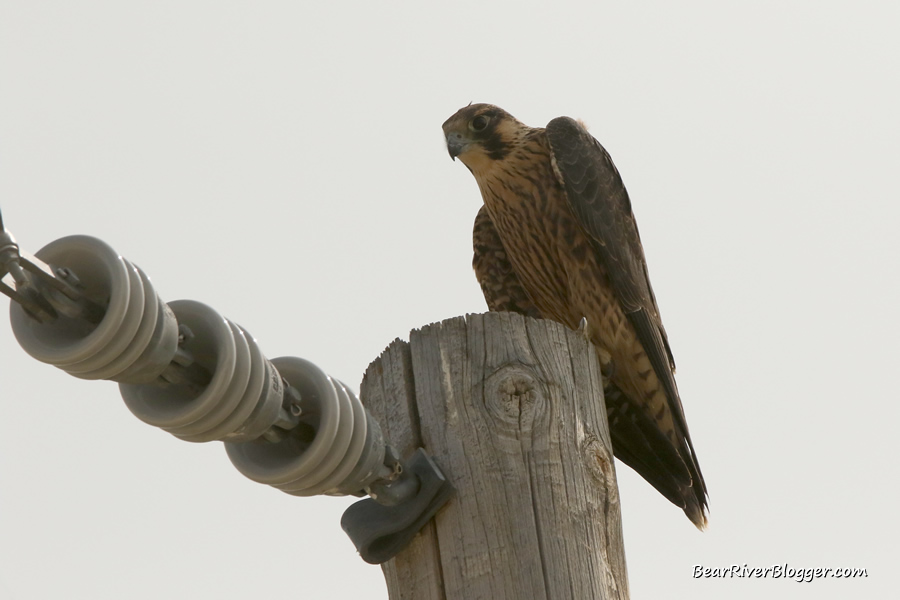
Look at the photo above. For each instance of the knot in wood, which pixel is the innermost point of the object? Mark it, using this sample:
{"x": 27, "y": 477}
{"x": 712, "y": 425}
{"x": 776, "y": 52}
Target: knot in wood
{"x": 514, "y": 395}
{"x": 600, "y": 465}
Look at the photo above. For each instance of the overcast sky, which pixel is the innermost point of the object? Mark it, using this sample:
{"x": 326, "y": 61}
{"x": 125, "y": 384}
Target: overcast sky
{"x": 285, "y": 165}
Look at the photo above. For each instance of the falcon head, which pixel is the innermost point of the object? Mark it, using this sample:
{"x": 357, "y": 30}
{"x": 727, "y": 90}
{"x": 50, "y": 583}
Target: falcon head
{"x": 480, "y": 134}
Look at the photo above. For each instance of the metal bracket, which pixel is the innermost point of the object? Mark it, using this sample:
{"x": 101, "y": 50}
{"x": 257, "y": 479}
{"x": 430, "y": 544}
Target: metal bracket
{"x": 43, "y": 291}
{"x": 380, "y": 532}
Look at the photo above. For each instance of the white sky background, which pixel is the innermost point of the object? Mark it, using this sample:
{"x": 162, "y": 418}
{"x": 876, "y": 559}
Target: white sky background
{"x": 285, "y": 165}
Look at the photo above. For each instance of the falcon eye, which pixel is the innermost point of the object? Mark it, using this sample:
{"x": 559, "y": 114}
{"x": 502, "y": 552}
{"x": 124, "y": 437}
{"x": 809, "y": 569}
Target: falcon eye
{"x": 479, "y": 123}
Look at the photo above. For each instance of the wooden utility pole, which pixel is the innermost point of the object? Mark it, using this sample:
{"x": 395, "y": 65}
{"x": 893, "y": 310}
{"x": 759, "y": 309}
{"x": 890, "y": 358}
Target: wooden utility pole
{"x": 511, "y": 410}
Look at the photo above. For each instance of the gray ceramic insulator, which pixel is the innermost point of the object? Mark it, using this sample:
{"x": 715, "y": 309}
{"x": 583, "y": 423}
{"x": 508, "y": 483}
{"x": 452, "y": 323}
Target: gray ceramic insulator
{"x": 346, "y": 454}
{"x": 137, "y": 339}
{"x": 138, "y": 335}
{"x": 241, "y": 401}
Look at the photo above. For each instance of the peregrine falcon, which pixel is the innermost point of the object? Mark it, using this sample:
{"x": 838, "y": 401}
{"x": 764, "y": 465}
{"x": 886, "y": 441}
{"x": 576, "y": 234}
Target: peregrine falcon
{"x": 556, "y": 239}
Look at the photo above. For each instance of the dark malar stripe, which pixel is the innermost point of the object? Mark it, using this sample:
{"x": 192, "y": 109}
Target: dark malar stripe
{"x": 496, "y": 148}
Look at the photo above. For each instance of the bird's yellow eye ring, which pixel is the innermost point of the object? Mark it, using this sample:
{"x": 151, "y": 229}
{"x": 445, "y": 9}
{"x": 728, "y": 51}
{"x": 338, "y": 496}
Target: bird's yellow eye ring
{"x": 479, "y": 123}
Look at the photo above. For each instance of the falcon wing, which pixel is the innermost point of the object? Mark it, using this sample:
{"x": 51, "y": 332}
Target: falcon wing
{"x": 499, "y": 283}
{"x": 637, "y": 441}
{"x": 600, "y": 202}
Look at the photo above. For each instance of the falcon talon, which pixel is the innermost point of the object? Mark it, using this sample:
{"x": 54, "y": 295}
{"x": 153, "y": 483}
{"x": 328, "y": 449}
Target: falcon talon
{"x": 583, "y": 328}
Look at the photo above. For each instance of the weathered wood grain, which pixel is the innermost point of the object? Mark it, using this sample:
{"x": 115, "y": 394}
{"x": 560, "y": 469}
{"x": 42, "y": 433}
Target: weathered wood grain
{"x": 387, "y": 391}
{"x": 511, "y": 409}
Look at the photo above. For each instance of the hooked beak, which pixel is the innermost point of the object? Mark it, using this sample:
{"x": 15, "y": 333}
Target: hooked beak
{"x": 456, "y": 144}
